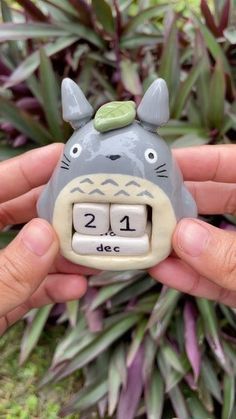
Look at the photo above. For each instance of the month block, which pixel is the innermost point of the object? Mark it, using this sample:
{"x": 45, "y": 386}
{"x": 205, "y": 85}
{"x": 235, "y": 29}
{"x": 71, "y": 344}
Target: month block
{"x": 128, "y": 220}
{"x": 110, "y": 245}
{"x": 92, "y": 219}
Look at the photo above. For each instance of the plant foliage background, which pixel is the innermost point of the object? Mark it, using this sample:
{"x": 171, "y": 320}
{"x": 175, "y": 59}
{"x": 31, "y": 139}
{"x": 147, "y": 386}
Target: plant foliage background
{"x": 135, "y": 349}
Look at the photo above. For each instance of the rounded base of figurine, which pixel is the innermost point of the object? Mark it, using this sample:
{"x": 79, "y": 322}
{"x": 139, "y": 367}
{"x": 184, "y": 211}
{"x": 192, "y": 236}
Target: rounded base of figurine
{"x": 115, "y": 189}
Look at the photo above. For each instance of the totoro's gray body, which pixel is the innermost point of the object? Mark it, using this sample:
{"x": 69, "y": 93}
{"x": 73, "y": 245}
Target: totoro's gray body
{"x": 117, "y": 152}
{"x": 130, "y": 144}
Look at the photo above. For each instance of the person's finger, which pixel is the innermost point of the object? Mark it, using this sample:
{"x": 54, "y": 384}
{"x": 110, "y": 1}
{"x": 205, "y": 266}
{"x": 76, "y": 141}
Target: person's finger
{"x": 213, "y": 197}
{"x": 23, "y": 209}
{"x": 56, "y": 288}
{"x": 175, "y": 273}
{"x": 208, "y": 162}
{"x": 25, "y": 263}
{"x": 23, "y": 173}
{"x": 208, "y": 250}
{"x": 63, "y": 265}
{"x": 19, "y": 210}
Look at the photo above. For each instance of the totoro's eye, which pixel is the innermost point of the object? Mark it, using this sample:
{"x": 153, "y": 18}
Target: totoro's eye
{"x": 75, "y": 150}
{"x": 151, "y": 155}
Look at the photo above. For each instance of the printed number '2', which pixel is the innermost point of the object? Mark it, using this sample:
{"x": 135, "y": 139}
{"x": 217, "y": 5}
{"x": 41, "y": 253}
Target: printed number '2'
{"x": 89, "y": 224}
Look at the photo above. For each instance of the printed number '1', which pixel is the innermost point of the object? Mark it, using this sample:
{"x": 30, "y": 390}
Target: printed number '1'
{"x": 127, "y": 226}
{"x": 89, "y": 224}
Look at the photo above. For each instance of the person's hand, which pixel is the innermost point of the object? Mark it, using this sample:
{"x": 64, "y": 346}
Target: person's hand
{"x": 31, "y": 272}
{"x": 204, "y": 259}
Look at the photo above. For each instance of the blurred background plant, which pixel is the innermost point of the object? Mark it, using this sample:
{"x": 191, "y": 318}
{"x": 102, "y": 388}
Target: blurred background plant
{"x": 141, "y": 350}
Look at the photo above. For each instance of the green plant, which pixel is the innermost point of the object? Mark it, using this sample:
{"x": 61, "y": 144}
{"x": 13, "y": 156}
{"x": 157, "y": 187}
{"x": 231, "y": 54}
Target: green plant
{"x": 19, "y": 395}
{"x": 142, "y": 349}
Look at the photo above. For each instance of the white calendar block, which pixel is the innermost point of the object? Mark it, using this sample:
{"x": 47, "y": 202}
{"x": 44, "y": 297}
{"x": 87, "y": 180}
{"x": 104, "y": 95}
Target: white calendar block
{"x": 128, "y": 220}
{"x": 110, "y": 245}
{"x": 92, "y": 219}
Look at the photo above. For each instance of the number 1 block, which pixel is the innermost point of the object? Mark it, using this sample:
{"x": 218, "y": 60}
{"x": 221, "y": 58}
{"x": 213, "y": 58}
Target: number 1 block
{"x": 92, "y": 219}
{"x": 128, "y": 220}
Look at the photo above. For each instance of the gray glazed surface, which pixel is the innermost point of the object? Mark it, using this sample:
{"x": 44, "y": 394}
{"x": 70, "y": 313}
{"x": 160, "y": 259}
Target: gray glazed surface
{"x": 135, "y": 151}
{"x": 130, "y": 143}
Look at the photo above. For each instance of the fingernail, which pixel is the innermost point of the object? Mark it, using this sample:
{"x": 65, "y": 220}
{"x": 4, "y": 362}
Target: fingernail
{"x": 192, "y": 237}
{"x": 37, "y": 237}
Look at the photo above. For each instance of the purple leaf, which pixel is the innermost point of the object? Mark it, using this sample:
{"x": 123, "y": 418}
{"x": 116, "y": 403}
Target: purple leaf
{"x": 211, "y": 328}
{"x": 227, "y": 226}
{"x": 131, "y": 393}
{"x": 20, "y": 140}
{"x": 20, "y": 88}
{"x": 84, "y": 11}
{"x": 209, "y": 18}
{"x": 4, "y": 70}
{"x": 29, "y": 317}
{"x": 58, "y": 310}
{"x": 229, "y": 338}
{"x": 7, "y": 127}
{"x": 191, "y": 381}
{"x": 224, "y": 18}
{"x": 150, "y": 351}
{"x": 94, "y": 318}
{"x": 191, "y": 341}
{"x": 102, "y": 406}
{"x": 32, "y": 10}
{"x": 29, "y": 104}
{"x": 217, "y": 349}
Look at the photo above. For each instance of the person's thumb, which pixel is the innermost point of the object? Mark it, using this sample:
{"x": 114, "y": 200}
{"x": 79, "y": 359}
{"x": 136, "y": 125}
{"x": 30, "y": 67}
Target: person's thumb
{"x": 25, "y": 263}
{"x": 209, "y": 250}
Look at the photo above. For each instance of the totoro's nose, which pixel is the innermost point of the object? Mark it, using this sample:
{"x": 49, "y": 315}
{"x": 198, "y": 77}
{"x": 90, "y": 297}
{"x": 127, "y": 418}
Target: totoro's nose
{"x": 113, "y": 156}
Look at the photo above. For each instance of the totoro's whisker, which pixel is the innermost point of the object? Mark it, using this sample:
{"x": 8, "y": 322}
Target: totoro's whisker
{"x": 66, "y": 157}
{"x": 66, "y": 168}
{"x": 162, "y": 176}
{"x": 161, "y": 171}
{"x": 159, "y": 167}
{"x": 64, "y": 162}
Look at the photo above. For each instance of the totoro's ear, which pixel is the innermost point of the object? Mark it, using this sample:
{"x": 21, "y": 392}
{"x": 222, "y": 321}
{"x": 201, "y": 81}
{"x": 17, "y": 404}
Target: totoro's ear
{"x": 75, "y": 107}
{"x": 153, "y": 110}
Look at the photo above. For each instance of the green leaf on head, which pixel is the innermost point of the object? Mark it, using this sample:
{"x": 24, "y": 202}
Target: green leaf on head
{"x": 114, "y": 115}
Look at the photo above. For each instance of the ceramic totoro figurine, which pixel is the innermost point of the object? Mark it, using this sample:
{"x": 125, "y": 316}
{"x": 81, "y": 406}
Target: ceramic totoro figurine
{"x": 116, "y": 194}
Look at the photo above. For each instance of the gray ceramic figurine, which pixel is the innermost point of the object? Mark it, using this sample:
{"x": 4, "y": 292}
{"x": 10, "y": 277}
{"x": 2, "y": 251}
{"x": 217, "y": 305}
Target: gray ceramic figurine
{"x": 116, "y": 194}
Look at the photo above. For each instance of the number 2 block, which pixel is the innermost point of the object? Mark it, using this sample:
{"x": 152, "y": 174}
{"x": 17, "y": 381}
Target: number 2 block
{"x": 128, "y": 220}
{"x": 92, "y": 219}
